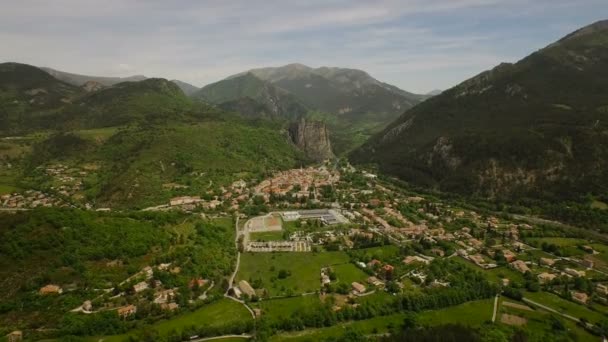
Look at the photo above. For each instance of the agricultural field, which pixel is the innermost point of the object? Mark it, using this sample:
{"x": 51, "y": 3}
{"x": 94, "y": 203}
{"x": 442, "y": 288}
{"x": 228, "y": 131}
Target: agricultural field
{"x": 348, "y": 273}
{"x": 538, "y": 321}
{"x": 303, "y": 269}
{"x": 494, "y": 275}
{"x": 564, "y": 306}
{"x": 558, "y": 241}
{"x": 471, "y": 313}
{"x": 275, "y": 309}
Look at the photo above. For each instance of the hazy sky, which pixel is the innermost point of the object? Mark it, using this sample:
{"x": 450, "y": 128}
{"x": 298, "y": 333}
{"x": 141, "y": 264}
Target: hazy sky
{"x": 418, "y": 45}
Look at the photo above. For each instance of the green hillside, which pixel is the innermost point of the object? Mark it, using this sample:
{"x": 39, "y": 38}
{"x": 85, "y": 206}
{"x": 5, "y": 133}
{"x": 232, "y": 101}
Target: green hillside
{"x": 150, "y": 100}
{"x": 132, "y": 167}
{"x": 353, "y": 104}
{"x": 84, "y": 252}
{"x": 534, "y": 128}
{"x": 277, "y": 102}
{"x": 30, "y": 97}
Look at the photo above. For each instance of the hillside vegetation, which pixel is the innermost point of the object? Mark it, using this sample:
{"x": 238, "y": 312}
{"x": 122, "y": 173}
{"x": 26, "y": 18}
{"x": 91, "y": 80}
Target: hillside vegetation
{"x": 353, "y": 104}
{"x": 535, "y": 128}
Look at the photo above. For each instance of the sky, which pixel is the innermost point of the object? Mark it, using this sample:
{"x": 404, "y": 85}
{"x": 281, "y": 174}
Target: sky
{"x": 417, "y": 45}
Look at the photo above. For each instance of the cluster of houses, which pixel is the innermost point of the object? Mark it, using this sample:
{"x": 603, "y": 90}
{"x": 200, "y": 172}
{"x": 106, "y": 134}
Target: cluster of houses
{"x": 303, "y": 182}
{"x": 139, "y": 282}
{"x": 69, "y": 180}
{"x": 30, "y": 199}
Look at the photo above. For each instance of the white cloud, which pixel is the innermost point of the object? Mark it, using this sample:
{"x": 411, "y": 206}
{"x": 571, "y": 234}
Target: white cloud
{"x": 439, "y": 42}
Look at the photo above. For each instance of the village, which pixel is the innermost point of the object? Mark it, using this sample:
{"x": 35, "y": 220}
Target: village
{"x": 386, "y": 243}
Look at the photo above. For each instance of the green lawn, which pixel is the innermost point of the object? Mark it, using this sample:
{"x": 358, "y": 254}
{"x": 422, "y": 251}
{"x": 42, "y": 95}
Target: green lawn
{"x": 220, "y": 313}
{"x": 381, "y": 253}
{"x": 471, "y": 313}
{"x": 305, "y": 270}
{"x": 267, "y": 236}
{"x": 558, "y": 241}
{"x": 538, "y": 321}
{"x": 7, "y": 189}
{"x": 348, "y": 273}
{"x": 273, "y": 309}
{"x": 494, "y": 275}
{"x": 564, "y": 306}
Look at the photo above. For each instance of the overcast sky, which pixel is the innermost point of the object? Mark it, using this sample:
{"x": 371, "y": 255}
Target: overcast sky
{"x": 418, "y": 45}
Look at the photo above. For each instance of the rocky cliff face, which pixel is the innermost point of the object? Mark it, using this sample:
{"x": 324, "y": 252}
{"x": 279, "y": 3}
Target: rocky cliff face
{"x": 312, "y": 137}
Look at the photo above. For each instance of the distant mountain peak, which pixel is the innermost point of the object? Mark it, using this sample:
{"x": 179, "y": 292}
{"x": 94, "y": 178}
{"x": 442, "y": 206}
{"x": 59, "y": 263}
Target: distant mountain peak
{"x": 80, "y": 80}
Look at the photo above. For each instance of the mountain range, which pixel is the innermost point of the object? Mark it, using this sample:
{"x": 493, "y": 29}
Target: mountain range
{"x": 538, "y": 127}
{"x": 103, "y": 81}
{"x": 352, "y": 103}
{"x": 535, "y": 128}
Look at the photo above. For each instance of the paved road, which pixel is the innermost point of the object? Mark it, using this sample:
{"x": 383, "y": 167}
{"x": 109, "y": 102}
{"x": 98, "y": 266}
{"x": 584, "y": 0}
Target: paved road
{"x": 238, "y": 256}
{"x": 495, "y": 308}
{"x": 220, "y": 338}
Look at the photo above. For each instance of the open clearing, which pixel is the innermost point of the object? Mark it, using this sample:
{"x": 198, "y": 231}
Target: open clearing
{"x": 564, "y": 306}
{"x": 348, "y": 273}
{"x": 304, "y": 269}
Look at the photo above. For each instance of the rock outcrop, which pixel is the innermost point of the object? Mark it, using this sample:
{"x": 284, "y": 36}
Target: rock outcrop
{"x": 312, "y": 137}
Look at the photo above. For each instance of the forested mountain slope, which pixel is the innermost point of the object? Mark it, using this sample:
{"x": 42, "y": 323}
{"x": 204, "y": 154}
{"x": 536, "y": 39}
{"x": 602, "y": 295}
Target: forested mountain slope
{"x": 538, "y": 127}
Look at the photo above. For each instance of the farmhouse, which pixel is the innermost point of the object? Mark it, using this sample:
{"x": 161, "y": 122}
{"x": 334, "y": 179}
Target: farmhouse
{"x": 580, "y": 297}
{"x": 198, "y": 282}
{"x": 410, "y": 259}
{"x": 574, "y": 273}
{"x": 140, "y": 286}
{"x": 15, "y": 336}
{"x": 358, "y": 288}
{"x": 509, "y": 256}
{"x": 547, "y": 261}
{"x": 545, "y": 277}
{"x": 520, "y": 266}
{"x": 246, "y": 288}
{"x": 126, "y": 311}
{"x": 50, "y": 289}
{"x": 375, "y": 281}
